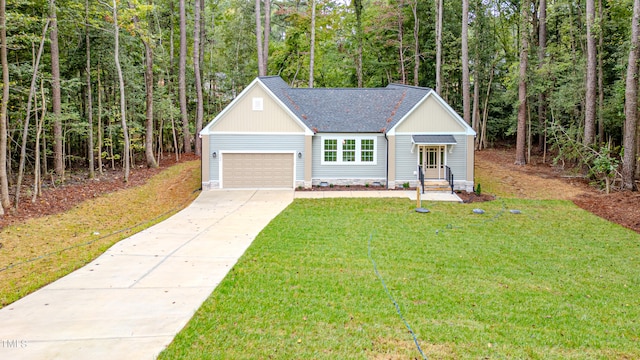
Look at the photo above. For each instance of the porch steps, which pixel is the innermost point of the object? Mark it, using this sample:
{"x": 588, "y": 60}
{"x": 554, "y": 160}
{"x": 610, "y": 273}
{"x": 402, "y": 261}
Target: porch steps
{"x": 436, "y": 186}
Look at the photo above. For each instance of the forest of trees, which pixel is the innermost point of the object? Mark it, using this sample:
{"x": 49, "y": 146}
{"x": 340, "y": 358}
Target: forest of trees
{"x": 99, "y": 84}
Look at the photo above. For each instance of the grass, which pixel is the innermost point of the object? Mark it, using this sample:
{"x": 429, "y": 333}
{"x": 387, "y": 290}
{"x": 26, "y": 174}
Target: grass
{"x": 552, "y": 282}
{"x": 42, "y": 250}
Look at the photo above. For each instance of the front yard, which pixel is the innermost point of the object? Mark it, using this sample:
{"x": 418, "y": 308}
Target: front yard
{"x": 552, "y": 282}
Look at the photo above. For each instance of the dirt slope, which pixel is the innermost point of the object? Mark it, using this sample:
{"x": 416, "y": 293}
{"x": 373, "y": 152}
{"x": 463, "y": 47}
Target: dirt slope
{"x": 540, "y": 180}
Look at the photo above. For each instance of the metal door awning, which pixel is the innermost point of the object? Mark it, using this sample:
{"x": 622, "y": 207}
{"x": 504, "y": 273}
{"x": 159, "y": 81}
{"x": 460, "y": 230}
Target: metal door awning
{"x": 433, "y": 140}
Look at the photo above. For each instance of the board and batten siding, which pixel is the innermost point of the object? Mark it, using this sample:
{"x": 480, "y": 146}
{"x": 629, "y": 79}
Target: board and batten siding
{"x": 430, "y": 118}
{"x": 259, "y": 143}
{"x": 407, "y": 162}
{"x": 358, "y": 173}
{"x": 242, "y": 117}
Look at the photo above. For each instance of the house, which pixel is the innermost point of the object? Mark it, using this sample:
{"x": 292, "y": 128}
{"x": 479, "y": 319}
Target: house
{"x": 275, "y": 136}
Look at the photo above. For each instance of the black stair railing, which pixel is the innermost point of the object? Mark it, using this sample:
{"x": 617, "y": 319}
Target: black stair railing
{"x": 449, "y": 176}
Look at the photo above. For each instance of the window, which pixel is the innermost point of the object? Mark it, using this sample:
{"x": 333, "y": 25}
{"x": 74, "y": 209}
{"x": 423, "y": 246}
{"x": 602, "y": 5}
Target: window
{"x": 366, "y": 150}
{"x": 349, "y": 150}
{"x": 330, "y": 150}
{"x": 257, "y": 104}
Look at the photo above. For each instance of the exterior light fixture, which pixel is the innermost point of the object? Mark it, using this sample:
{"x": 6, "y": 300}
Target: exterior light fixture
{"x": 299, "y": 154}
{"x": 215, "y": 154}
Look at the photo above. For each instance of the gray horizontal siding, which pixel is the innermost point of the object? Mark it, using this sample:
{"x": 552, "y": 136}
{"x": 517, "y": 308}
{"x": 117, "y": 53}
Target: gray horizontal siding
{"x": 350, "y": 171}
{"x": 407, "y": 162}
{"x": 457, "y": 160}
{"x": 255, "y": 142}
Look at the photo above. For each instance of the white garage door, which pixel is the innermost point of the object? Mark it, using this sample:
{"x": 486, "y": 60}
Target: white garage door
{"x": 257, "y": 171}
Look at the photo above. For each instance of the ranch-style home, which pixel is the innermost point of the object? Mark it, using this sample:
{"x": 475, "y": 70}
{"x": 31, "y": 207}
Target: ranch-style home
{"x": 275, "y": 136}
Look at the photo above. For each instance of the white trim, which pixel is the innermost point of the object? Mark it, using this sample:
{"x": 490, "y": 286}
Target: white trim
{"x": 222, "y": 152}
{"x": 207, "y": 129}
{"x": 265, "y": 133}
{"x": 447, "y": 107}
{"x": 443, "y": 162}
{"x": 358, "y": 150}
{"x": 429, "y": 133}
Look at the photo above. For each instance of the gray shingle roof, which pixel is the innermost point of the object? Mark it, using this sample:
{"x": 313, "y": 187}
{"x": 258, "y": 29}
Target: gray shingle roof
{"x": 347, "y": 110}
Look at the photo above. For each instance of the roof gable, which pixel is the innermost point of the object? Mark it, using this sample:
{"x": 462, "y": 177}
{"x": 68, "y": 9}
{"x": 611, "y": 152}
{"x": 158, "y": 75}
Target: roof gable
{"x": 239, "y": 116}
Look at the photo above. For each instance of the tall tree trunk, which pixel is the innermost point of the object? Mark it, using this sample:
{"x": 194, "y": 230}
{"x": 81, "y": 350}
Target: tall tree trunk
{"x": 100, "y": 132}
{"x": 182, "y": 79}
{"x": 590, "y": 105}
{"x": 542, "y": 50}
{"x": 357, "y": 4}
{"x": 92, "y": 173}
{"x": 126, "y": 155}
{"x": 267, "y": 35}
{"x": 416, "y": 42}
{"x": 521, "y": 136}
{"x": 37, "y": 177}
{"x": 600, "y": 75}
{"x": 261, "y": 69}
{"x": 403, "y": 74}
{"x": 439, "y": 12}
{"x": 466, "y": 98}
{"x": 631, "y": 104}
{"x": 148, "y": 84}
{"x": 312, "y": 49}
{"x": 25, "y": 129}
{"x": 55, "y": 93}
{"x": 5, "y": 202}
{"x": 198, "y": 76}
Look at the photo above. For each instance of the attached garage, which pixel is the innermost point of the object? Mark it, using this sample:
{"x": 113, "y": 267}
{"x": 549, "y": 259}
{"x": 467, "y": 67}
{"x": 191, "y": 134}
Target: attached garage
{"x": 257, "y": 170}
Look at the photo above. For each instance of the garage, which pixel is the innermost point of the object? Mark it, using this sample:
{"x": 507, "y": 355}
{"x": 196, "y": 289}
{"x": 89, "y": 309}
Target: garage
{"x": 257, "y": 170}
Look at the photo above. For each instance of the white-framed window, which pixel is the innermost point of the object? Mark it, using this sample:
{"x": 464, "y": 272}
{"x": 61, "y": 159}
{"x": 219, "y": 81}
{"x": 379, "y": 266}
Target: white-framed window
{"x": 349, "y": 150}
{"x": 257, "y": 104}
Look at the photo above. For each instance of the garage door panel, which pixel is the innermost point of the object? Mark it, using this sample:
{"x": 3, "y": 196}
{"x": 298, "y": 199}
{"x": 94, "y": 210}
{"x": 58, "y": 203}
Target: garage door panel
{"x": 257, "y": 170}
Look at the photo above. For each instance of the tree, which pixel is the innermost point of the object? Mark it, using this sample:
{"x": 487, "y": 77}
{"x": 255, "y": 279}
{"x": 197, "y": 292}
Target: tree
{"x": 521, "y": 135}
{"x": 263, "y": 44}
{"x": 631, "y": 104}
{"x": 4, "y": 183}
{"x": 542, "y": 50}
{"x": 89, "y": 94}
{"x": 312, "y": 50}
{"x": 123, "y": 105}
{"x": 182, "y": 79}
{"x": 590, "y": 103}
{"x": 198, "y": 75}
{"x": 55, "y": 92}
{"x": 416, "y": 43}
{"x": 466, "y": 99}
{"x": 148, "y": 85}
{"x": 357, "y": 5}
{"x": 439, "y": 12}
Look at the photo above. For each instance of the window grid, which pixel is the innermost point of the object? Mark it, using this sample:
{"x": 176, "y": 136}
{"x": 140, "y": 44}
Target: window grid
{"x": 349, "y": 150}
{"x": 331, "y": 150}
{"x": 366, "y": 147}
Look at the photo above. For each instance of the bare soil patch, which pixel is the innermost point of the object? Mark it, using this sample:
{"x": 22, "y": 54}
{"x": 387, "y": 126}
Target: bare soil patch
{"x": 541, "y": 180}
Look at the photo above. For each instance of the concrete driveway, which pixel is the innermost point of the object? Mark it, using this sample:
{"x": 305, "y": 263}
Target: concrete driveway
{"x": 131, "y": 301}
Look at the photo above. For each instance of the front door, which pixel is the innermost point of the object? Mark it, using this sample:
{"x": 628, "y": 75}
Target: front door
{"x": 432, "y": 159}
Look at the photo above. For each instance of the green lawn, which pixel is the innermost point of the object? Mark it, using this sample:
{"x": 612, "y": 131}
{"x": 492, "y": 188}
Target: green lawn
{"x": 552, "y": 282}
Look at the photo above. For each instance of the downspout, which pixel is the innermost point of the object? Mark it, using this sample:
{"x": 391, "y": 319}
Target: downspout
{"x": 386, "y": 174}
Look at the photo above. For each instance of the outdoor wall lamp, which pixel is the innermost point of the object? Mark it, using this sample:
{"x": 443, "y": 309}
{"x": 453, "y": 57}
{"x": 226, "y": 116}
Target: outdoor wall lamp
{"x": 215, "y": 154}
{"x": 299, "y": 154}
